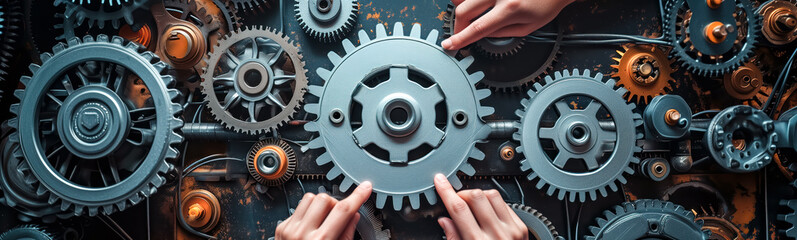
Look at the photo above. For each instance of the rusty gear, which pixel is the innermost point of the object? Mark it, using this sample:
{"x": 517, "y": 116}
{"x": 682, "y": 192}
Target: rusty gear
{"x": 779, "y": 24}
{"x": 271, "y": 162}
{"x": 745, "y": 82}
{"x": 644, "y": 70}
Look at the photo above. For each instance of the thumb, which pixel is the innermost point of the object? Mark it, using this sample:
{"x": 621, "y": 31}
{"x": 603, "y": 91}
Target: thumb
{"x": 449, "y": 228}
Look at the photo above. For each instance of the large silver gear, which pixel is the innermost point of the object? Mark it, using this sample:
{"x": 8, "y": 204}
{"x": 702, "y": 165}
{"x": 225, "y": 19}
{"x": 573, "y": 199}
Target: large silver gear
{"x": 578, "y": 134}
{"x": 73, "y": 108}
{"x": 248, "y": 76}
{"x": 540, "y": 228}
{"x": 699, "y": 55}
{"x": 425, "y": 72}
{"x": 100, "y": 15}
{"x": 648, "y": 219}
{"x": 326, "y": 20}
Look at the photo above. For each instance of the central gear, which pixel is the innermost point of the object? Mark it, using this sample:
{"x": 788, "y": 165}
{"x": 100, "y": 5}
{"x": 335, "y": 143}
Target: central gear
{"x": 254, "y": 80}
{"x": 648, "y": 219}
{"x": 98, "y": 14}
{"x": 580, "y": 135}
{"x": 539, "y": 226}
{"x": 645, "y": 71}
{"x": 326, "y": 20}
{"x": 271, "y": 162}
{"x": 711, "y": 42}
{"x": 426, "y": 72}
{"x": 91, "y": 136}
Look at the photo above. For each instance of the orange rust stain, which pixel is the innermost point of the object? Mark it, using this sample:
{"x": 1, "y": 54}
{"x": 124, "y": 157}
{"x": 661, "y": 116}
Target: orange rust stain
{"x": 403, "y": 10}
{"x": 678, "y": 179}
{"x": 744, "y": 201}
{"x": 439, "y": 16}
{"x": 413, "y": 8}
{"x": 575, "y": 105}
{"x": 372, "y": 15}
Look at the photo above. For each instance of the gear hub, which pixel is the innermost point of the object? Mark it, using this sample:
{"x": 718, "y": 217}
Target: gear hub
{"x": 644, "y": 70}
{"x": 779, "y": 21}
{"x": 271, "y": 162}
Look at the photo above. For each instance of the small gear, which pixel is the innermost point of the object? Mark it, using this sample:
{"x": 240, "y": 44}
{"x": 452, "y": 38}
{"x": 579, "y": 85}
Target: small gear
{"x": 648, "y": 219}
{"x": 741, "y": 138}
{"x": 98, "y": 14}
{"x": 580, "y": 135}
{"x": 88, "y": 148}
{"x": 745, "y": 82}
{"x": 790, "y": 217}
{"x": 645, "y": 71}
{"x": 254, "y": 81}
{"x": 26, "y": 232}
{"x": 497, "y": 57}
{"x": 271, "y": 162}
{"x": 326, "y": 20}
{"x": 378, "y": 122}
{"x": 711, "y": 41}
{"x": 249, "y": 5}
{"x": 779, "y": 25}
{"x": 539, "y": 226}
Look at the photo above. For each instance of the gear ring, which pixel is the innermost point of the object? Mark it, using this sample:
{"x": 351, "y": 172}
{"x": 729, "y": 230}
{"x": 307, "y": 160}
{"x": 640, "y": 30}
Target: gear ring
{"x": 271, "y": 162}
{"x": 645, "y": 71}
{"x": 326, "y": 20}
{"x": 101, "y": 15}
{"x": 741, "y": 139}
{"x": 578, "y": 134}
{"x": 93, "y": 123}
{"x": 247, "y": 74}
{"x": 336, "y": 118}
{"x": 539, "y": 226}
{"x": 694, "y": 51}
{"x": 647, "y": 218}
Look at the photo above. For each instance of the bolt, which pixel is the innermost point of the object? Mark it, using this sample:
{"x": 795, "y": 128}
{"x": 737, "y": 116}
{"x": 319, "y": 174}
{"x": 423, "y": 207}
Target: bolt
{"x": 178, "y": 44}
{"x": 507, "y": 153}
{"x": 785, "y": 23}
{"x": 645, "y": 69}
{"x": 90, "y": 120}
{"x": 714, "y": 4}
{"x": 195, "y": 212}
{"x": 672, "y": 117}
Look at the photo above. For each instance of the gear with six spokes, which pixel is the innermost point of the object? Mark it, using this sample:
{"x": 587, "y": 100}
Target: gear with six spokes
{"x": 644, "y": 70}
{"x": 648, "y": 219}
{"x": 254, "y": 80}
{"x": 395, "y": 111}
{"x": 326, "y": 20}
{"x": 581, "y": 135}
{"x": 103, "y": 124}
{"x": 711, "y": 41}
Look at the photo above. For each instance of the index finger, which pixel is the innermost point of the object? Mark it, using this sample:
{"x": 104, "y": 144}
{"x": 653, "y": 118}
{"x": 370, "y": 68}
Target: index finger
{"x": 457, "y": 208}
{"x": 345, "y": 209}
{"x": 480, "y": 28}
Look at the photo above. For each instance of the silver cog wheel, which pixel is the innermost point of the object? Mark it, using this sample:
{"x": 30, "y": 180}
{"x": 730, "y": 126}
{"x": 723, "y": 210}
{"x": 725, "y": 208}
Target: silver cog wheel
{"x": 578, "y": 134}
{"x": 539, "y": 226}
{"x": 392, "y": 59}
{"x": 326, "y": 20}
{"x": 100, "y": 15}
{"x": 254, "y": 81}
{"x": 648, "y": 219}
{"x": 90, "y": 100}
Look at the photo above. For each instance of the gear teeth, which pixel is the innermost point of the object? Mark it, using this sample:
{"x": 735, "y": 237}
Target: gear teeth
{"x": 363, "y": 36}
{"x": 334, "y": 58}
{"x": 324, "y": 73}
{"x": 432, "y": 37}
{"x": 415, "y": 31}
{"x": 467, "y": 169}
{"x": 455, "y": 182}
{"x": 476, "y": 77}
{"x": 415, "y": 201}
{"x": 381, "y": 32}
{"x": 333, "y": 173}
{"x": 431, "y": 196}
{"x": 313, "y": 108}
{"x": 381, "y": 199}
{"x": 398, "y": 29}
{"x": 398, "y": 201}
{"x": 345, "y": 184}
{"x": 466, "y": 62}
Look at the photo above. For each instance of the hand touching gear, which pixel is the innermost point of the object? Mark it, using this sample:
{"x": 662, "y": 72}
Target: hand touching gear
{"x": 324, "y": 217}
{"x": 477, "y": 214}
{"x": 477, "y": 19}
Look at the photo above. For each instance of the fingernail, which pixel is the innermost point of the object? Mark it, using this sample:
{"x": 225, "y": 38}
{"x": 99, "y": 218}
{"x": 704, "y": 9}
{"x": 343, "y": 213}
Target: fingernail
{"x": 446, "y": 44}
{"x": 439, "y": 178}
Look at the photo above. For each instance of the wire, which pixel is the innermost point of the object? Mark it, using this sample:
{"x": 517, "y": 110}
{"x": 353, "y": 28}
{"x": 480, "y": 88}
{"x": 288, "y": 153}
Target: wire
{"x": 522, "y": 195}
{"x": 191, "y": 169}
{"x": 780, "y": 85}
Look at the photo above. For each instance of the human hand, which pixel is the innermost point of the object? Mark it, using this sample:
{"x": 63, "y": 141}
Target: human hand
{"x": 477, "y": 214}
{"x": 324, "y": 217}
{"x": 507, "y": 18}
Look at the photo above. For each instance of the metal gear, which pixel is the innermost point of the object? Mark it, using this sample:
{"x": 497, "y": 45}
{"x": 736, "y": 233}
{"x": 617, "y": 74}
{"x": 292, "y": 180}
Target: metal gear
{"x": 537, "y": 57}
{"x": 645, "y": 71}
{"x": 120, "y": 147}
{"x": 271, "y": 162}
{"x": 539, "y": 226}
{"x": 10, "y": 21}
{"x": 248, "y": 78}
{"x": 369, "y": 227}
{"x": 790, "y": 217}
{"x": 326, "y": 20}
{"x": 741, "y": 138}
{"x": 745, "y": 82}
{"x": 98, "y": 14}
{"x": 109, "y": 2}
{"x": 714, "y": 50}
{"x": 779, "y": 25}
{"x": 26, "y": 232}
{"x": 382, "y": 96}
{"x": 18, "y": 185}
{"x": 249, "y": 5}
{"x": 648, "y": 219}
{"x": 721, "y": 228}
{"x": 578, "y": 134}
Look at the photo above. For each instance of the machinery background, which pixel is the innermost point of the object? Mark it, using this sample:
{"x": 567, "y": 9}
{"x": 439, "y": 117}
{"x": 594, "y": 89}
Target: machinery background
{"x": 226, "y": 193}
